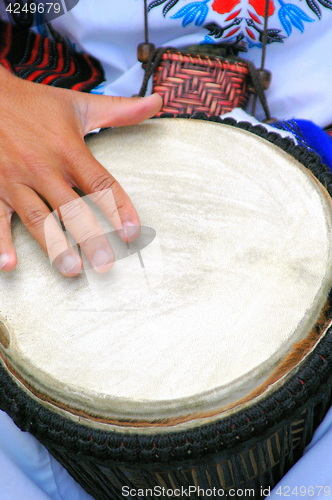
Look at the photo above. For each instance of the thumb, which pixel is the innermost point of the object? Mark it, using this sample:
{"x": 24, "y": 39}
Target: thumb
{"x": 107, "y": 111}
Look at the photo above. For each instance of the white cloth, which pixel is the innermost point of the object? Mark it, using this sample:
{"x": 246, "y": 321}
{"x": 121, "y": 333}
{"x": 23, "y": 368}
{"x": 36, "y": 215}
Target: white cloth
{"x": 28, "y": 471}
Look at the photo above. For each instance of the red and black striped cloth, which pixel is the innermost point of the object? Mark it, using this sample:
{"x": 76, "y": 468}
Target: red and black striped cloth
{"x": 39, "y": 59}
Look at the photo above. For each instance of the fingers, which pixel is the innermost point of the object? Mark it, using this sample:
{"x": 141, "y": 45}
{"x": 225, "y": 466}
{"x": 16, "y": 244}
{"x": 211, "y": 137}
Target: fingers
{"x": 82, "y": 225}
{"x": 75, "y": 215}
{"x": 106, "y": 192}
{"x": 46, "y": 231}
{"x": 8, "y": 259}
{"x": 78, "y": 220}
{"x": 107, "y": 111}
{"x": 103, "y": 111}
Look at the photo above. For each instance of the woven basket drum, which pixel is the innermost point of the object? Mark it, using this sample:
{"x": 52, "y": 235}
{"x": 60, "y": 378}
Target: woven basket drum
{"x": 203, "y": 358}
{"x": 196, "y": 83}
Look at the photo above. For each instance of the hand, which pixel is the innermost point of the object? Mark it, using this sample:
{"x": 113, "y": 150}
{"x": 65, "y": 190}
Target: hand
{"x": 43, "y": 157}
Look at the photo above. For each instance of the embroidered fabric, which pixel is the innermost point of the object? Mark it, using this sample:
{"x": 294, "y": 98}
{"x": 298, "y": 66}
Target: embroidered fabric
{"x": 296, "y": 52}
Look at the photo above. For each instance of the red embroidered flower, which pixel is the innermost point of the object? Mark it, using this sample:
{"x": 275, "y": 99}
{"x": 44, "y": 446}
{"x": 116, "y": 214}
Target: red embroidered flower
{"x": 259, "y": 6}
{"x": 223, "y": 6}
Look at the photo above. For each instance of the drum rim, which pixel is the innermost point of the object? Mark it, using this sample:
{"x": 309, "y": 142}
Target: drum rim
{"x": 56, "y": 431}
{"x": 308, "y": 158}
{"x": 53, "y": 428}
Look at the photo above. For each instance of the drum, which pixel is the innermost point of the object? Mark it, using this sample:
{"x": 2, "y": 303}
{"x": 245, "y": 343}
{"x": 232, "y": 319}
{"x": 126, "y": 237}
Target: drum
{"x": 200, "y": 365}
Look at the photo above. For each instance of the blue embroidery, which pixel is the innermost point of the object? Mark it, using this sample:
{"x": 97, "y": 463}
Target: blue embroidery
{"x": 246, "y": 16}
{"x": 290, "y": 14}
{"x": 192, "y": 11}
{"x": 208, "y": 40}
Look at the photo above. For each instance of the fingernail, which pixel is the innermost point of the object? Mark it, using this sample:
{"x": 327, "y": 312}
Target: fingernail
{"x": 101, "y": 258}
{"x": 4, "y": 259}
{"x": 128, "y": 230}
{"x": 68, "y": 264}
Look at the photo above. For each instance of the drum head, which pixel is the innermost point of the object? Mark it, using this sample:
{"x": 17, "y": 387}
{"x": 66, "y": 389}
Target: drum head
{"x": 233, "y": 269}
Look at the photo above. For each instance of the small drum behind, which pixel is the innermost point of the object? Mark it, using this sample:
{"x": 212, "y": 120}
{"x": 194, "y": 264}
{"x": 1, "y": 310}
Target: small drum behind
{"x": 203, "y": 359}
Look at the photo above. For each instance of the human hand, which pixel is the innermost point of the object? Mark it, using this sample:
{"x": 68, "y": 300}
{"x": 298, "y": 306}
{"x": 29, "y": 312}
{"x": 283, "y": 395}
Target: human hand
{"x": 43, "y": 157}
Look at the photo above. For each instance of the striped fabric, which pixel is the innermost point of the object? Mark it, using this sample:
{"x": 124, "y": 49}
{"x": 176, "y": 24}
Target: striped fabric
{"x": 39, "y": 59}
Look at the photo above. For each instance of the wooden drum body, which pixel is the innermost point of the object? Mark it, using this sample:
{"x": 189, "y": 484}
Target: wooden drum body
{"x": 203, "y": 359}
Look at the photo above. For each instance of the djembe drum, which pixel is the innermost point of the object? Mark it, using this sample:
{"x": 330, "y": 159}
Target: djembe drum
{"x": 203, "y": 359}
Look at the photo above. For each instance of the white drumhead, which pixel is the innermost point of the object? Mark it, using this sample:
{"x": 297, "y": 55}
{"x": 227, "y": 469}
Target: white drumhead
{"x": 237, "y": 272}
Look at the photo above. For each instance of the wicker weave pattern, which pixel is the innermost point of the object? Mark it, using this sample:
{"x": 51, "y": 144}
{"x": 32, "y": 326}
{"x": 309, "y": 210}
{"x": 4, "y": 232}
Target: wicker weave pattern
{"x": 190, "y": 83}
